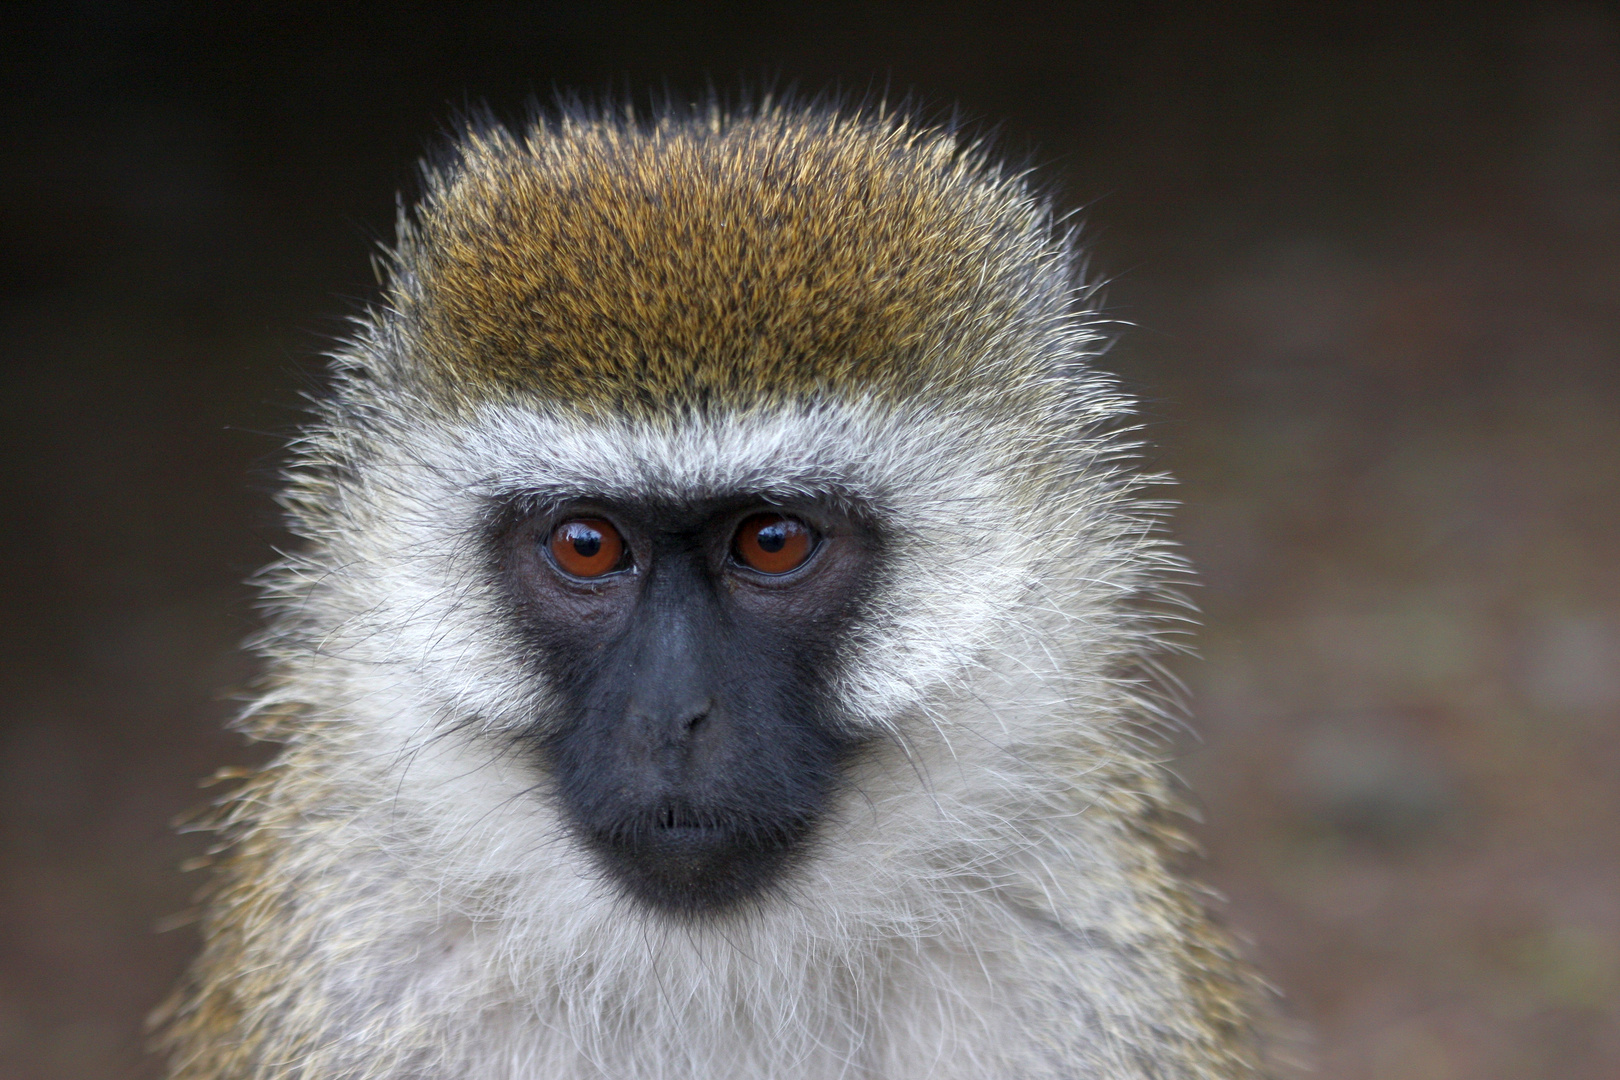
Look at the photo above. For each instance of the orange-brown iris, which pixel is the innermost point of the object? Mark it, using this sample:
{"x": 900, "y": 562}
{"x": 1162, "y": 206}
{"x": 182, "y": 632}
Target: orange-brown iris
{"x": 587, "y": 547}
{"x": 773, "y": 543}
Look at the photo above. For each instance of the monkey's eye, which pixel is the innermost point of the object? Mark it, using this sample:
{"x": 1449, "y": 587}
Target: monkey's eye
{"x": 587, "y": 547}
{"x": 773, "y": 543}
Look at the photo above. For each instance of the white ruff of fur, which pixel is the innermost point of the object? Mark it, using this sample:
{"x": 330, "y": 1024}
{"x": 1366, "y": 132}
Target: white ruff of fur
{"x": 963, "y": 901}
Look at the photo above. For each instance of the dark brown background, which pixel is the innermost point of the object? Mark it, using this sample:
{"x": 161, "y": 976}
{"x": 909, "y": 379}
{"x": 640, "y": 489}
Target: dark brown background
{"x": 1371, "y": 252}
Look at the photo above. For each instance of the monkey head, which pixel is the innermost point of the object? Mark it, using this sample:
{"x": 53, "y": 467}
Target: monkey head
{"x": 694, "y": 464}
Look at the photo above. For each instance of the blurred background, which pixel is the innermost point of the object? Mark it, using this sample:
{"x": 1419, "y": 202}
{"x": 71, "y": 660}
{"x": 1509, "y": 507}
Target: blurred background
{"x": 1372, "y": 256}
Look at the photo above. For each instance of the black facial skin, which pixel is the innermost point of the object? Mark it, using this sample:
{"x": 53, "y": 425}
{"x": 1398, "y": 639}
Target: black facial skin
{"x": 698, "y": 749}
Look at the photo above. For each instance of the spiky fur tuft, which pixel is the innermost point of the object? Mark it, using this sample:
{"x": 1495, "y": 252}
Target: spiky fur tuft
{"x": 779, "y": 301}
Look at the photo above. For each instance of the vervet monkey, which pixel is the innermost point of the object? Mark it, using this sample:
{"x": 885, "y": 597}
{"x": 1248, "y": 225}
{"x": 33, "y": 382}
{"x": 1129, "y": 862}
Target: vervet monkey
{"x": 721, "y": 643}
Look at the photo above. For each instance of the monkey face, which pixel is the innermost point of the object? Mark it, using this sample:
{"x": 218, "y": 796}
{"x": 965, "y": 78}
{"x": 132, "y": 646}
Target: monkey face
{"x": 691, "y": 649}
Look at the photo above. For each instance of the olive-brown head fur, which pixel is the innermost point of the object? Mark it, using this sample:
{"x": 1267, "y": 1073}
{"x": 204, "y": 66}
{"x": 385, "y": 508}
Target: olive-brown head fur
{"x": 743, "y": 259}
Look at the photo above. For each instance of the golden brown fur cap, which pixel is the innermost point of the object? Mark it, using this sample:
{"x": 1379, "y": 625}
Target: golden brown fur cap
{"x": 701, "y": 258}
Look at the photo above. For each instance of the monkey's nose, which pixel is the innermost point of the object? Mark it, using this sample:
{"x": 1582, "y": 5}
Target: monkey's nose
{"x": 673, "y": 722}
{"x": 671, "y": 739}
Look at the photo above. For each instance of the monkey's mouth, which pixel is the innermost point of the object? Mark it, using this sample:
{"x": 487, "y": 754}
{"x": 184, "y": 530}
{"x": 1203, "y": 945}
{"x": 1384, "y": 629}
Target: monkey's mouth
{"x": 682, "y": 818}
{"x": 692, "y": 860}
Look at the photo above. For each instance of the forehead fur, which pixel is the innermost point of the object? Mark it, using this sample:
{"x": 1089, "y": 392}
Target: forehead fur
{"x": 734, "y": 261}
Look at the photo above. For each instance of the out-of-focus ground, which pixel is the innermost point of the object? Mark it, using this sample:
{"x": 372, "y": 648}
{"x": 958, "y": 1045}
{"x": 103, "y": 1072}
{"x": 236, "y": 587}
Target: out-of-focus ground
{"x": 1373, "y": 259}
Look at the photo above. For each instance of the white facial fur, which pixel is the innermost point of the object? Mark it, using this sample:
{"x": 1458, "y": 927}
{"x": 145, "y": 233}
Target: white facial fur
{"x": 991, "y": 663}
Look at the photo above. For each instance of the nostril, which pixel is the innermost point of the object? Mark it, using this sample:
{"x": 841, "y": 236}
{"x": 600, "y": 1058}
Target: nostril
{"x": 699, "y": 716}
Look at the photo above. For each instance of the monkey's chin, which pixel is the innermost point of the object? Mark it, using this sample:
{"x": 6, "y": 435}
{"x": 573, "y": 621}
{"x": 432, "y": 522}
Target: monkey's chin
{"x": 699, "y": 870}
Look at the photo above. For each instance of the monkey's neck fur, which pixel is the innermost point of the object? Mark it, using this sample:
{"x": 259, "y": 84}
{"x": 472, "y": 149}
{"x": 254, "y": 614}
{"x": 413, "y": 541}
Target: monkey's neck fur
{"x": 848, "y": 311}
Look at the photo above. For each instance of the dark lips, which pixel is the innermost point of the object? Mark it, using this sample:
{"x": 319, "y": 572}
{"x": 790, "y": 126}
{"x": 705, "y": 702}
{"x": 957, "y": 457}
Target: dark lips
{"x": 689, "y": 862}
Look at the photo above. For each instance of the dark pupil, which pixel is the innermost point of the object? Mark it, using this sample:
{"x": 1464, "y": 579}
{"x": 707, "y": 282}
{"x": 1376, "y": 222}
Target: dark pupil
{"x": 773, "y": 537}
{"x": 586, "y": 540}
